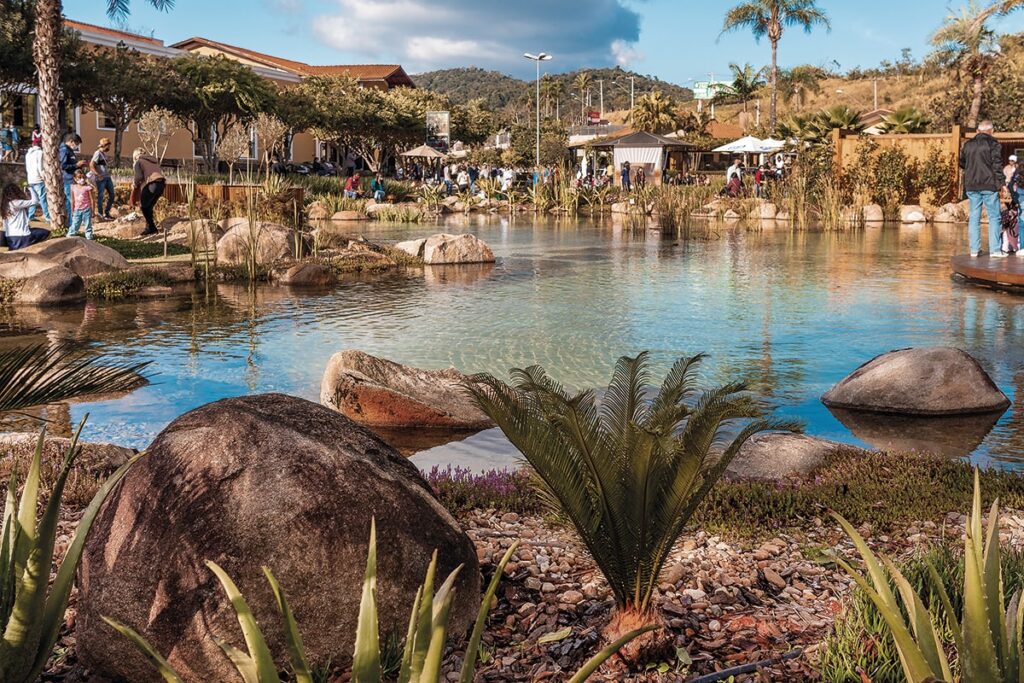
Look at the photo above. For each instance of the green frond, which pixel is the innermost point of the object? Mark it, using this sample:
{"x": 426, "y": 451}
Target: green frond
{"x": 120, "y": 9}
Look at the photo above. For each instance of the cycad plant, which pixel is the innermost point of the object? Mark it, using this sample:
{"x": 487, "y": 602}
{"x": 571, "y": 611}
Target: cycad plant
{"x": 628, "y": 471}
{"x": 425, "y": 638}
{"x": 32, "y": 610}
{"x": 988, "y": 632}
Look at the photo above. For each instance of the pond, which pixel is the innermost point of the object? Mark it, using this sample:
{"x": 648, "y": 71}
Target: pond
{"x": 791, "y": 312}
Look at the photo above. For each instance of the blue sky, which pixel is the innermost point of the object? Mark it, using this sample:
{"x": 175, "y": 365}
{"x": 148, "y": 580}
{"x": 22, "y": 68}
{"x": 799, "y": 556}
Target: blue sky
{"x": 676, "y": 40}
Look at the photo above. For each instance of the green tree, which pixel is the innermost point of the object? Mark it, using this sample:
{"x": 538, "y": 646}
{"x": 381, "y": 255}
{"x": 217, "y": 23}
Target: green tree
{"x": 906, "y": 119}
{"x": 654, "y": 112}
{"x": 46, "y": 55}
{"x": 582, "y": 84}
{"x": 473, "y": 122}
{"x": 746, "y": 82}
{"x": 554, "y": 139}
{"x": 769, "y": 19}
{"x": 968, "y": 44}
{"x": 796, "y": 82}
{"x": 128, "y": 85}
{"x": 218, "y": 93}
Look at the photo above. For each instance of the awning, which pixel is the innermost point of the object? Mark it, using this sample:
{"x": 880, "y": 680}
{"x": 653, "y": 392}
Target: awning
{"x": 424, "y": 151}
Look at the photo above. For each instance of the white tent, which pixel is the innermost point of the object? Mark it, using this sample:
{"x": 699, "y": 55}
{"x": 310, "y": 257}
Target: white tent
{"x": 772, "y": 145}
{"x": 747, "y": 145}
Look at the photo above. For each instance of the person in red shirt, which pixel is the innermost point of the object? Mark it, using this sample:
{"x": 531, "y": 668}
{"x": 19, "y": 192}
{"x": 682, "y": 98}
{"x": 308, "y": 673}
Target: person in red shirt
{"x": 352, "y": 186}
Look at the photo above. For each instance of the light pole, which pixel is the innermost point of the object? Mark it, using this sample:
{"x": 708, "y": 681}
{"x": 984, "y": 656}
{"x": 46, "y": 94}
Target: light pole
{"x": 538, "y": 58}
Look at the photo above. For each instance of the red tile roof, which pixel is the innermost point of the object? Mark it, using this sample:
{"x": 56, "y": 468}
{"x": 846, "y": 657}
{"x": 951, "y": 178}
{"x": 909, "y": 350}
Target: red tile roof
{"x": 113, "y": 33}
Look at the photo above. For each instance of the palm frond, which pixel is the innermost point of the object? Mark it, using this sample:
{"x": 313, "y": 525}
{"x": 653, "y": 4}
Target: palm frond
{"x": 118, "y": 10}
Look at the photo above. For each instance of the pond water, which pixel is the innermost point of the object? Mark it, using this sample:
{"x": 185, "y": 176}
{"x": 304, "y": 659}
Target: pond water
{"x": 790, "y": 312}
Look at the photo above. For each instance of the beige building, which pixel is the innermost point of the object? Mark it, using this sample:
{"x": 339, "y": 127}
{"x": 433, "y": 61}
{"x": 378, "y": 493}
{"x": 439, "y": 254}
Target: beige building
{"x": 21, "y": 109}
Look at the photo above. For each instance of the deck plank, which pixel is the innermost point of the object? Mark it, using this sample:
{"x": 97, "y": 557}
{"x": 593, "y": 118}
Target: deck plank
{"x": 1003, "y": 272}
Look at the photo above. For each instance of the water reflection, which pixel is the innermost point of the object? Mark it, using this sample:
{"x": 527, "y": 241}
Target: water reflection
{"x": 953, "y": 437}
{"x": 790, "y": 312}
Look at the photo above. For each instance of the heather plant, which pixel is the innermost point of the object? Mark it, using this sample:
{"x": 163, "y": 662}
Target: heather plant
{"x": 459, "y": 489}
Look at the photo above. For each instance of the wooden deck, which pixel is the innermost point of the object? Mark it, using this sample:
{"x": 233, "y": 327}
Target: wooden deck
{"x": 999, "y": 273}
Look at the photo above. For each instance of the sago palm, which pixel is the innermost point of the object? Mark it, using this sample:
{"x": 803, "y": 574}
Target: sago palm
{"x": 654, "y": 112}
{"x": 626, "y": 471}
{"x": 769, "y": 19}
{"x": 906, "y": 119}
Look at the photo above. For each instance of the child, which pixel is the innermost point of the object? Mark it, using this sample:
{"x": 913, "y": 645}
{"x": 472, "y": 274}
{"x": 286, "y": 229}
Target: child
{"x": 14, "y": 206}
{"x": 81, "y": 205}
{"x": 1010, "y": 218}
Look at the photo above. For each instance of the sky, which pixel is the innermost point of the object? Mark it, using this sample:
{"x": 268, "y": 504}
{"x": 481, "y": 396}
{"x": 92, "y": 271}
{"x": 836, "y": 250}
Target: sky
{"x": 675, "y": 40}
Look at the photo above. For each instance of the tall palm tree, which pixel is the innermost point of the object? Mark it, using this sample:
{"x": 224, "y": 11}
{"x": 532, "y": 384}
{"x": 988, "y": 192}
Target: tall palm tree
{"x": 46, "y": 54}
{"x": 968, "y": 44}
{"x": 654, "y": 112}
{"x": 549, "y": 90}
{"x": 746, "y": 81}
{"x": 795, "y": 82}
{"x": 770, "y": 18}
{"x": 627, "y": 471}
{"x": 582, "y": 83}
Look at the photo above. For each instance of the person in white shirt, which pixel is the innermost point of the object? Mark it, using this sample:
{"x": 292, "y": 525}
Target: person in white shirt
{"x": 34, "y": 171}
{"x": 14, "y": 208}
{"x": 735, "y": 169}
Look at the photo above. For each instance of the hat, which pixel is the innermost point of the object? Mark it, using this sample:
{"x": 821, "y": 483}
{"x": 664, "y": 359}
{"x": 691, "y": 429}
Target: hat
{"x": 104, "y": 142}
{"x": 1013, "y": 157}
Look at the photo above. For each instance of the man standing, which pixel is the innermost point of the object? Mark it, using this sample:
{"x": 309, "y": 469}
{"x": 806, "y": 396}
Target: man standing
{"x": 149, "y": 186}
{"x": 34, "y": 174}
{"x": 982, "y": 162}
{"x": 99, "y": 174}
{"x": 627, "y": 185}
{"x": 69, "y": 163}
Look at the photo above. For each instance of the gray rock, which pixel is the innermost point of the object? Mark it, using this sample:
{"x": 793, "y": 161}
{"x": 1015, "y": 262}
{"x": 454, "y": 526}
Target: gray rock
{"x": 873, "y": 213}
{"x": 442, "y": 249}
{"x": 937, "y": 380}
{"x": 39, "y": 281}
{"x": 272, "y": 242}
{"x": 412, "y": 247}
{"x": 245, "y": 482}
{"x": 779, "y": 456}
{"x": 307, "y": 274}
{"x": 912, "y": 213}
{"x": 83, "y": 257}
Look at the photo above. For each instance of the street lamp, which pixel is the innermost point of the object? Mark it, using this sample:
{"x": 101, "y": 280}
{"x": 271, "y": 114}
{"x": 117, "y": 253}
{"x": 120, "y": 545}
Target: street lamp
{"x": 538, "y": 58}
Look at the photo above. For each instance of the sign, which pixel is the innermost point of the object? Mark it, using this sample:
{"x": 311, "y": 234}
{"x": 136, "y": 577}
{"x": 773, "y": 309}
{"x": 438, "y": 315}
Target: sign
{"x": 706, "y": 90}
{"x": 439, "y": 134}
{"x": 593, "y": 118}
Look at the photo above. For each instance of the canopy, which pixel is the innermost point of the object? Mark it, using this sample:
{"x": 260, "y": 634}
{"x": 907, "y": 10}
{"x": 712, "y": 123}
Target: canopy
{"x": 424, "y": 151}
{"x": 772, "y": 145}
{"x": 747, "y": 145}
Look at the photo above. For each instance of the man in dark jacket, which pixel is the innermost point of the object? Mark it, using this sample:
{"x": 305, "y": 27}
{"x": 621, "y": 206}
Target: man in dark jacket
{"x": 982, "y": 162}
{"x": 69, "y": 163}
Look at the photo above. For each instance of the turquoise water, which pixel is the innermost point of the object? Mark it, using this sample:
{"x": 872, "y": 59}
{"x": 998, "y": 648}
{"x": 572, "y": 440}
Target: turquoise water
{"x": 791, "y": 312}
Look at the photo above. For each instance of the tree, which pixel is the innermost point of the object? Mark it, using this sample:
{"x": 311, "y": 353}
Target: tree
{"x": 232, "y": 146}
{"x": 522, "y": 147}
{"x": 966, "y": 43}
{"x": 795, "y": 82}
{"x": 156, "y": 128}
{"x": 218, "y": 93}
{"x": 473, "y": 122}
{"x": 582, "y": 83}
{"x": 654, "y": 112}
{"x": 270, "y": 136}
{"x": 130, "y": 85}
{"x": 745, "y": 83}
{"x": 627, "y": 473}
{"x": 46, "y": 55}
{"x": 769, "y": 19}
{"x": 906, "y": 119}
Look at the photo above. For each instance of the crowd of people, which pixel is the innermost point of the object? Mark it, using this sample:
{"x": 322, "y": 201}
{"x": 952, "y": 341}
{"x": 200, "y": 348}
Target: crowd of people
{"x": 88, "y": 189}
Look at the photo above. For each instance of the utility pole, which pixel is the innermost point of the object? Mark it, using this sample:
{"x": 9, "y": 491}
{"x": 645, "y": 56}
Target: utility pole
{"x": 601, "y": 84}
{"x": 632, "y": 93}
{"x": 876, "y": 94}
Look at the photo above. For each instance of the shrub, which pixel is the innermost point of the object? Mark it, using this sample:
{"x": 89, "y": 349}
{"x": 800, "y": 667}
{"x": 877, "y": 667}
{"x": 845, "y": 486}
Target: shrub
{"x": 459, "y": 490}
{"x": 125, "y": 283}
{"x": 133, "y": 249}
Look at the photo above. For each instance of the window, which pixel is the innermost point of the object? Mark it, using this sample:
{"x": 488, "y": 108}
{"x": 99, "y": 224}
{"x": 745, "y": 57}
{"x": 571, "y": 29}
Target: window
{"x": 104, "y": 123}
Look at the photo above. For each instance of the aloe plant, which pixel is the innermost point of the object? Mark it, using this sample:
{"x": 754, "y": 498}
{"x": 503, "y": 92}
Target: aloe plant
{"x": 32, "y": 611}
{"x": 425, "y": 639}
{"x": 988, "y": 633}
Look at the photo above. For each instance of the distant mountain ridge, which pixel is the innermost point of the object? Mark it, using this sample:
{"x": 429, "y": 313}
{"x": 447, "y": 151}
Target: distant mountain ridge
{"x": 501, "y": 90}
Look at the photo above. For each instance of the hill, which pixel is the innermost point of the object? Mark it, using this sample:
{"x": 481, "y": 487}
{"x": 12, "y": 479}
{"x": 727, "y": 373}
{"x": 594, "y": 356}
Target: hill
{"x": 503, "y": 91}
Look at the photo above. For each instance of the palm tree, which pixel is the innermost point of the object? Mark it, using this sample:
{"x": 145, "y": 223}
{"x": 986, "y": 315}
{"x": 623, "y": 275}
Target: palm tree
{"x": 628, "y": 471}
{"x": 45, "y": 53}
{"x": 769, "y": 18}
{"x": 797, "y": 81}
{"x": 906, "y": 119}
{"x": 965, "y": 42}
{"x": 549, "y": 90}
{"x": 654, "y": 112}
{"x": 746, "y": 82}
{"x": 582, "y": 83}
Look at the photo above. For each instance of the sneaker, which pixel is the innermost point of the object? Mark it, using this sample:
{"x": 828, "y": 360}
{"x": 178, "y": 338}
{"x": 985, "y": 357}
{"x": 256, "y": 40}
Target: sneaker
{"x": 975, "y": 254}
{"x": 998, "y": 254}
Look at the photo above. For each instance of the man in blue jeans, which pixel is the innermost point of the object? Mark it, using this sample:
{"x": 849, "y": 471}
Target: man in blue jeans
{"x": 982, "y": 162}
{"x": 69, "y": 163}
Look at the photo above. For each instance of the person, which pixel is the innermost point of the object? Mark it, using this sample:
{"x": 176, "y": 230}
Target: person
{"x": 14, "y": 208}
{"x": 1010, "y": 168}
{"x": 34, "y": 174}
{"x": 759, "y": 178}
{"x": 377, "y": 188}
{"x": 352, "y": 186}
{"x": 15, "y": 142}
{"x": 147, "y": 186}
{"x": 626, "y": 184}
{"x": 5, "y": 144}
{"x": 473, "y": 174}
{"x": 735, "y": 170}
{"x": 69, "y": 163}
{"x": 81, "y": 205}
{"x": 37, "y": 136}
{"x": 99, "y": 174}
{"x": 982, "y": 165}
{"x": 462, "y": 180}
{"x": 641, "y": 177}
{"x": 735, "y": 186}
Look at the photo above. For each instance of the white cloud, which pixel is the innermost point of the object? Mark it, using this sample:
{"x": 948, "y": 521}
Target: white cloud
{"x": 431, "y": 34}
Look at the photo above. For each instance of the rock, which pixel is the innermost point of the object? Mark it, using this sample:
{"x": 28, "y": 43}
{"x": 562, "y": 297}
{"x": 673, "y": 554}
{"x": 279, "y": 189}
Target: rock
{"x": 82, "y": 257}
{"x": 38, "y": 281}
{"x": 307, "y": 274}
{"x": 778, "y": 456}
{"x": 620, "y": 207}
{"x": 783, "y": 216}
{"x": 412, "y": 247}
{"x": 936, "y": 380}
{"x": 767, "y": 211}
{"x": 317, "y": 211}
{"x": 381, "y": 393}
{"x": 773, "y": 578}
{"x": 913, "y": 213}
{"x": 572, "y": 597}
{"x": 731, "y": 215}
{"x": 273, "y": 242}
{"x": 873, "y": 214}
{"x": 349, "y": 216}
{"x": 127, "y": 227}
{"x": 260, "y": 480}
{"x": 950, "y": 213}
{"x": 852, "y": 214}
{"x": 182, "y": 231}
{"x": 96, "y": 458}
{"x": 443, "y": 249}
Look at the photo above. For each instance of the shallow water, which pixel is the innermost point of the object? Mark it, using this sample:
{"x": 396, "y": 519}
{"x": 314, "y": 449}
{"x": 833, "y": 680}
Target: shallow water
{"x": 791, "y": 312}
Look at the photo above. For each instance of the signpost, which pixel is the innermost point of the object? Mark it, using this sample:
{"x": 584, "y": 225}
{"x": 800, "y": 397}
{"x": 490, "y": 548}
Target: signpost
{"x": 706, "y": 90}
{"x": 439, "y": 130}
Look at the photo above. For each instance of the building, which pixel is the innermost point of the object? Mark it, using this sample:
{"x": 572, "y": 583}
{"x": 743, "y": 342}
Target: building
{"x": 22, "y": 109}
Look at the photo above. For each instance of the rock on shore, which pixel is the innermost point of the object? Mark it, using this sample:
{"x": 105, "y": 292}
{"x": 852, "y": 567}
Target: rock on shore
{"x": 778, "y": 456}
{"x": 273, "y": 242}
{"x": 38, "y": 281}
{"x": 82, "y": 257}
{"x": 445, "y": 249}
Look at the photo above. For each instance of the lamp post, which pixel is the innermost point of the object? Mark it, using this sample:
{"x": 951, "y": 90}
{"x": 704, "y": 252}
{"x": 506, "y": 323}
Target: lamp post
{"x": 538, "y": 58}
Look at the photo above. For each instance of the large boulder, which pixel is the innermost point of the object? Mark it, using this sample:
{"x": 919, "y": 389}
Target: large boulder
{"x": 766, "y": 211}
{"x": 936, "y": 380}
{"x": 412, "y": 247}
{"x": 950, "y": 213}
{"x": 246, "y": 482}
{"x": 444, "y": 249}
{"x": 381, "y": 393}
{"x": 17, "y": 448}
{"x": 273, "y": 242}
{"x": 873, "y": 213}
{"x": 83, "y": 257}
{"x": 38, "y": 281}
{"x": 912, "y": 213}
{"x": 777, "y": 456}
{"x": 307, "y": 274}
{"x": 182, "y": 231}
{"x": 348, "y": 216}
{"x": 317, "y": 211}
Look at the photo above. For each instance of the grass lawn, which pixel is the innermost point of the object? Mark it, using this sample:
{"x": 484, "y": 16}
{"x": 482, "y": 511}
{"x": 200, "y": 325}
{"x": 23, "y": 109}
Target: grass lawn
{"x": 133, "y": 249}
